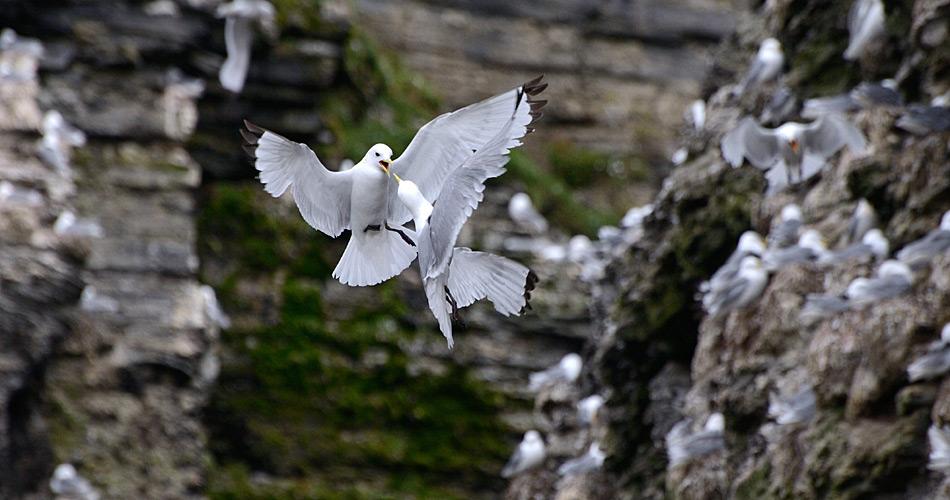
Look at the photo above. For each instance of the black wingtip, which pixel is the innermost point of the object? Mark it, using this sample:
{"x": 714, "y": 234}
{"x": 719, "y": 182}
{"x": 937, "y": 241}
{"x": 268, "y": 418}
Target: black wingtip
{"x": 251, "y": 134}
{"x": 529, "y": 283}
{"x": 531, "y": 89}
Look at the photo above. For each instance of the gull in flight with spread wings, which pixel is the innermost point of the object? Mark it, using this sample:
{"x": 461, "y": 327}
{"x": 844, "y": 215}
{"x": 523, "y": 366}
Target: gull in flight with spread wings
{"x": 455, "y": 277}
{"x": 363, "y": 200}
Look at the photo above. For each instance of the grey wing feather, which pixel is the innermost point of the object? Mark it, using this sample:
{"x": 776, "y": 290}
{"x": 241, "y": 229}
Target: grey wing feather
{"x": 830, "y": 133}
{"x": 751, "y": 141}
{"x": 444, "y": 143}
{"x": 727, "y": 296}
{"x": 923, "y": 250}
{"x": 440, "y": 307}
{"x": 513, "y": 463}
{"x": 322, "y": 196}
{"x": 478, "y": 275}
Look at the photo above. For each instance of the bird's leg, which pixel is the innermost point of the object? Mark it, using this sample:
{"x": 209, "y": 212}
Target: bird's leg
{"x": 405, "y": 237}
{"x": 454, "y": 304}
{"x": 371, "y": 227}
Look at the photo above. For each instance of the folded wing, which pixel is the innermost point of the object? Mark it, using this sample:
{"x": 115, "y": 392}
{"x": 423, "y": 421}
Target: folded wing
{"x": 322, "y": 196}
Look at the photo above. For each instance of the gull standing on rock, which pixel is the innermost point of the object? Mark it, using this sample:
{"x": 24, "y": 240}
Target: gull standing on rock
{"x": 67, "y": 483}
{"x": 784, "y": 232}
{"x": 239, "y": 35}
{"x": 935, "y": 362}
{"x": 59, "y": 137}
{"x": 750, "y": 243}
{"x": 794, "y": 408}
{"x": 363, "y": 200}
{"x": 922, "y": 251}
{"x": 765, "y": 67}
{"x": 683, "y": 445}
{"x": 522, "y": 212}
{"x": 863, "y": 220}
{"x": 793, "y": 152}
{"x": 741, "y": 291}
{"x": 455, "y": 277}
{"x": 529, "y": 454}
{"x": 588, "y": 408}
{"x": 567, "y": 370}
{"x": 873, "y": 244}
{"x": 893, "y": 278}
{"x": 939, "y": 438}
{"x": 592, "y": 460}
{"x": 865, "y": 25}
{"x": 810, "y": 247}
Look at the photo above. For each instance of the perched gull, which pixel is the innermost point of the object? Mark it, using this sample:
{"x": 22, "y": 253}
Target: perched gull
{"x": 865, "y": 96}
{"x": 362, "y": 198}
{"x": 455, "y": 277}
{"x": 766, "y": 66}
{"x": 872, "y": 245}
{"x": 923, "y": 120}
{"x": 820, "y": 306}
{"x": 67, "y": 483}
{"x": 592, "y": 460}
{"x": 750, "y": 243}
{"x": 793, "y": 152}
{"x": 19, "y": 57}
{"x": 865, "y": 24}
{"x": 935, "y": 362}
{"x": 939, "y": 438}
{"x": 529, "y": 454}
{"x": 792, "y": 408}
{"x": 683, "y": 445}
{"x": 741, "y": 291}
{"x": 239, "y": 35}
{"x": 67, "y": 224}
{"x": 635, "y": 216}
{"x": 588, "y": 407}
{"x": 522, "y": 212}
{"x": 862, "y": 220}
{"x": 922, "y": 251}
{"x": 58, "y": 140}
{"x": 11, "y": 194}
{"x": 566, "y": 370}
{"x": 697, "y": 114}
{"x": 213, "y": 310}
{"x": 893, "y": 278}
{"x": 781, "y": 106}
{"x": 784, "y": 231}
{"x": 679, "y": 156}
{"x": 810, "y": 247}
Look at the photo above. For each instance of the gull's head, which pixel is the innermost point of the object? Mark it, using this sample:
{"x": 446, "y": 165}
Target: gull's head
{"x": 64, "y": 472}
{"x": 864, "y": 209}
{"x": 791, "y": 212}
{"x": 52, "y": 120}
{"x": 716, "y": 422}
{"x": 751, "y": 242}
{"x": 875, "y": 239}
{"x": 812, "y": 239}
{"x": 571, "y": 364}
{"x": 532, "y": 437}
{"x": 380, "y": 155}
{"x": 945, "y": 221}
{"x": 791, "y": 133}
{"x": 771, "y": 44}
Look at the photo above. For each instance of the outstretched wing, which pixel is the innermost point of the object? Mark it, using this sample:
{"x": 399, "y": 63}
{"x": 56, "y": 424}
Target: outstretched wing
{"x": 461, "y": 193}
{"x": 441, "y": 145}
{"x": 478, "y": 275}
{"x": 751, "y": 141}
{"x": 826, "y": 135}
{"x": 322, "y": 196}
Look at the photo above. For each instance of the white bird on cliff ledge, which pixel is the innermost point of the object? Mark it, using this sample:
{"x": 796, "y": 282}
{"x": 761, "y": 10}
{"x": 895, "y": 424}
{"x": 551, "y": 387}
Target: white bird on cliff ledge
{"x": 239, "y": 35}
{"x": 793, "y": 152}
{"x": 682, "y": 445}
{"x": 750, "y": 243}
{"x": 529, "y": 454}
{"x": 939, "y": 459}
{"x": 893, "y": 278}
{"x": 567, "y": 370}
{"x": 784, "y": 231}
{"x": 922, "y": 251}
{"x": 590, "y": 461}
{"x": 588, "y": 408}
{"x": 872, "y": 245}
{"x": 66, "y": 483}
{"x": 935, "y": 362}
{"x": 741, "y": 291}
{"x": 765, "y": 67}
{"x": 792, "y": 408}
{"x": 456, "y": 277}
{"x": 522, "y": 212}
{"x": 363, "y": 200}
{"x": 59, "y": 138}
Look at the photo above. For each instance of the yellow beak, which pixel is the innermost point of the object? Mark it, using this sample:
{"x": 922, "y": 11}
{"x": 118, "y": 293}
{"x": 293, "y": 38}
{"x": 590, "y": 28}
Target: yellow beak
{"x": 397, "y": 177}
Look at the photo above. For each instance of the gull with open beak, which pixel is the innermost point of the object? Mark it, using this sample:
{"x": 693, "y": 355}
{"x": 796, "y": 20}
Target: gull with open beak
{"x": 363, "y": 200}
{"x": 455, "y": 277}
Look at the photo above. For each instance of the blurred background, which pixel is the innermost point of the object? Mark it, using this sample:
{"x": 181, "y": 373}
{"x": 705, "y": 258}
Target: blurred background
{"x": 188, "y": 340}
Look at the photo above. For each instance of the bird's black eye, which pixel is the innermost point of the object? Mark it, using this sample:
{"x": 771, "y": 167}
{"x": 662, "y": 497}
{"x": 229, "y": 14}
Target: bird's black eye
{"x": 377, "y": 154}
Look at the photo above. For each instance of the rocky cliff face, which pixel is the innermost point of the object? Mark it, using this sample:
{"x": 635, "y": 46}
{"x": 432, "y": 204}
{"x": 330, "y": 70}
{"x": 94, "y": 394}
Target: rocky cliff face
{"x": 660, "y": 360}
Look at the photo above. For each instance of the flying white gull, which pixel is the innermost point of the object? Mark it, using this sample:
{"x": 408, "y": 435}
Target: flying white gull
{"x": 793, "y": 152}
{"x": 792, "y": 408}
{"x": 923, "y": 120}
{"x": 455, "y": 277}
{"x": 239, "y": 35}
{"x": 362, "y": 198}
{"x": 810, "y": 247}
{"x": 588, "y": 407}
{"x": 865, "y": 96}
{"x": 59, "y": 138}
{"x": 566, "y": 370}
{"x": 750, "y": 243}
{"x": 893, "y": 278}
{"x": 784, "y": 231}
{"x": 592, "y": 460}
{"x": 67, "y": 483}
{"x": 935, "y": 362}
{"x": 683, "y": 445}
{"x": 820, "y": 306}
{"x": 741, "y": 291}
{"x": 522, "y": 212}
{"x": 939, "y": 438}
{"x": 865, "y": 25}
{"x": 529, "y": 454}
{"x": 765, "y": 67}
{"x": 922, "y": 251}
{"x": 872, "y": 245}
